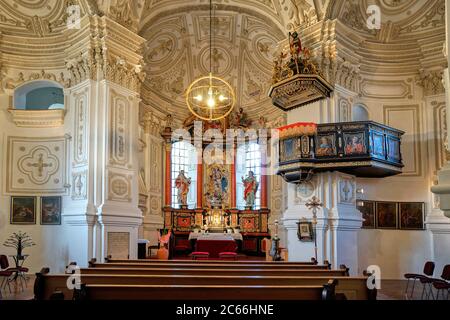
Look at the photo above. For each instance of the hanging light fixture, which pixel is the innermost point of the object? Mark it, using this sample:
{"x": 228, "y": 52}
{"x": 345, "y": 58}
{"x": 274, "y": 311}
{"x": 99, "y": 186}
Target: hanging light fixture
{"x": 210, "y": 97}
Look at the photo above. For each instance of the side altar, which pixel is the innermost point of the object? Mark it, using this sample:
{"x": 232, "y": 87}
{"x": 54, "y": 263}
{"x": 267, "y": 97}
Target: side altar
{"x": 217, "y": 195}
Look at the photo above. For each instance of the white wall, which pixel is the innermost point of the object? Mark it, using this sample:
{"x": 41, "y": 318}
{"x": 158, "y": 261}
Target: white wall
{"x": 51, "y": 244}
{"x": 396, "y": 252}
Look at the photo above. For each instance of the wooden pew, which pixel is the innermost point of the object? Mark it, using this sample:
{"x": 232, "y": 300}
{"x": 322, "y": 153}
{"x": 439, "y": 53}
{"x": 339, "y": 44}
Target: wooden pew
{"x": 197, "y": 265}
{"x": 228, "y": 262}
{"x": 217, "y": 271}
{"x": 354, "y": 288}
{"x": 205, "y": 292}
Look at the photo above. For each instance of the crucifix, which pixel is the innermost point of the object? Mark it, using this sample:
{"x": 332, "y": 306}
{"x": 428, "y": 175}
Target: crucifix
{"x": 313, "y": 204}
{"x": 40, "y": 164}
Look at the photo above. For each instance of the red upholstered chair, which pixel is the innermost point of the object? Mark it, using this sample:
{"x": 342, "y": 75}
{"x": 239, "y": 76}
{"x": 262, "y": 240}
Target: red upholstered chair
{"x": 20, "y": 271}
{"x": 424, "y": 278}
{"x": 4, "y": 274}
{"x": 443, "y": 285}
{"x": 228, "y": 255}
{"x": 200, "y": 255}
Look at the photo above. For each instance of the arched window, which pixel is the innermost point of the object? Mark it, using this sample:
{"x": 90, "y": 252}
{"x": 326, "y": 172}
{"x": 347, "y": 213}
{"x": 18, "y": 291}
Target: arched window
{"x": 248, "y": 158}
{"x": 359, "y": 113}
{"x": 39, "y": 95}
{"x": 184, "y": 158}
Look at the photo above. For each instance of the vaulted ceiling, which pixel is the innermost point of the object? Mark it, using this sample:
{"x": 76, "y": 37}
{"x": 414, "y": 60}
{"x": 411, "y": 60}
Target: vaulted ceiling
{"x": 246, "y": 36}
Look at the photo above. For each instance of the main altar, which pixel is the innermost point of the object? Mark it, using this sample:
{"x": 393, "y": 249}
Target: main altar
{"x": 217, "y": 193}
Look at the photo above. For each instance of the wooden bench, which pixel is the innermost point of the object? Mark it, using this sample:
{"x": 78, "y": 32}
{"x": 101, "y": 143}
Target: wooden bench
{"x": 249, "y": 262}
{"x": 199, "y": 265}
{"x": 205, "y": 292}
{"x": 354, "y": 288}
{"x": 217, "y": 271}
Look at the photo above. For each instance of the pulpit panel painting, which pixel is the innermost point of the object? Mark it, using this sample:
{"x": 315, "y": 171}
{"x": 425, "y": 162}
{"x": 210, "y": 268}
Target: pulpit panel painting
{"x": 290, "y": 149}
{"x": 378, "y": 145}
{"x": 326, "y": 145}
{"x": 355, "y": 143}
{"x": 393, "y": 149}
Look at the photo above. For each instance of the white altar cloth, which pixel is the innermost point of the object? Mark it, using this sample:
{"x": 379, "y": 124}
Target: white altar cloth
{"x": 214, "y": 236}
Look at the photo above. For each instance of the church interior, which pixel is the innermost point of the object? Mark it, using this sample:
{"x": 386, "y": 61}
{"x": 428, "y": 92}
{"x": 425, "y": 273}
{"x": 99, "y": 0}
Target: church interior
{"x": 209, "y": 148}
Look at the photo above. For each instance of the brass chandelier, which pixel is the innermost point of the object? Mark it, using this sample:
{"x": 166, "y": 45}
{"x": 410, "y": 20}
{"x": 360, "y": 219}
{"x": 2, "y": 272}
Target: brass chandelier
{"x": 210, "y": 97}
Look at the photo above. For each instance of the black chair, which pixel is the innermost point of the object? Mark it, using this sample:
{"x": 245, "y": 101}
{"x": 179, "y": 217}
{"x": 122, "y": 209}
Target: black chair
{"x": 442, "y": 285}
{"x": 428, "y": 271}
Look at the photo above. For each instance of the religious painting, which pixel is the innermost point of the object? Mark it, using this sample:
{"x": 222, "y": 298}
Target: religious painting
{"x": 23, "y": 210}
{"x": 51, "y": 210}
{"x": 354, "y": 143}
{"x": 386, "y": 215}
{"x": 183, "y": 222}
{"x": 367, "y": 208}
{"x": 289, "y": 149}
{"x": 217, "y": 186}
{"x": 305, "y": 231}
{"x": 411, "y": 215}
{"x": 325, "y": 145}
{"x": 249, "y": 222}
{"x": 378, "y": 145}
{"x": 393, "y": 149}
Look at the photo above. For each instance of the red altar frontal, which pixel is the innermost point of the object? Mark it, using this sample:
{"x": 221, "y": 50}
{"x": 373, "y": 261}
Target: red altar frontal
{"x": 218, "y": 203}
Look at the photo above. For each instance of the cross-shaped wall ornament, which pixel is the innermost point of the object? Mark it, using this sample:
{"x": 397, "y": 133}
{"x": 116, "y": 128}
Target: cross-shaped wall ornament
{"x": 313, "y": 204}
{"x": 40, "y": 164}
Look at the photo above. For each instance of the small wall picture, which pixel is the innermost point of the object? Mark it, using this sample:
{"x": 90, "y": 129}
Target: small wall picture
{"x": 354, "y": 143}
{"x": 368, "y": 214}
{"x": 51, "y": 210}
{"x": 325, "y": 145}
{"x": 411, "y": 215}
{"x": 23, "y": 210}
{"x": 305, "y": 231}
{"x": 386, "y": 217}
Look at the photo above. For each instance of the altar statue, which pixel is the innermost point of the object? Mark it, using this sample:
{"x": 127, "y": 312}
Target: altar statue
{"x": 250, "y": 188}
{"x": 182, "y": 184}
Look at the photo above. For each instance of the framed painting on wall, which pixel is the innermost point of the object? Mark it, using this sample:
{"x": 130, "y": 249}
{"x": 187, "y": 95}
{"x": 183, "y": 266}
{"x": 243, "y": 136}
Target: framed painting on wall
{"x": 51, "y": 208}
{"x": 368, "y": 214}
{"x": 386, "y": 215}
{"x": 305, "y": 231}
{"x": 23, "y": 210}
{"x": 411, "y": 215}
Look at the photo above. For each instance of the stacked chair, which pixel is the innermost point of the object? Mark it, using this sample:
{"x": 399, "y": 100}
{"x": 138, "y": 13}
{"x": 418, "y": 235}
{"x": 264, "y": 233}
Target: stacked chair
{"x": 441, "y": 285}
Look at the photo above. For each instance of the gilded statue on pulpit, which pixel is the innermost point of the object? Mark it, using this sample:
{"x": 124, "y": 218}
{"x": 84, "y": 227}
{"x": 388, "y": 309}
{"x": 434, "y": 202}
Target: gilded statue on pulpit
{"x": 250, "y": 188}
{"x": 182, "y": 183}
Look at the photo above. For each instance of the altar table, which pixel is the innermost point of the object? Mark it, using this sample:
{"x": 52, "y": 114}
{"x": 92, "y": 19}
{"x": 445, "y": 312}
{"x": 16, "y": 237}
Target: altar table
{"x": 214, "y": 247}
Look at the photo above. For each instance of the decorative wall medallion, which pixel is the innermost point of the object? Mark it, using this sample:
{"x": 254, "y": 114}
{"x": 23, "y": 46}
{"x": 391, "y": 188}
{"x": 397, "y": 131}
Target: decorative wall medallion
{"x": 120, "y": 187}
{"x": 303, "y": 191}
{"x": 37, "y": 165}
